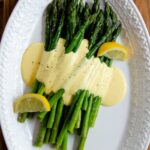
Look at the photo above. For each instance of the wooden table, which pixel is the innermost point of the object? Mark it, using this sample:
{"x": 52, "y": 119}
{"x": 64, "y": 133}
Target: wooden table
{"x": 143, "y": 5}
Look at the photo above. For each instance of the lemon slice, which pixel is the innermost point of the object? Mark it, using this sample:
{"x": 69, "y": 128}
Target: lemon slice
{"x": 31, "y": 103}
{"x": 114, "y": 50}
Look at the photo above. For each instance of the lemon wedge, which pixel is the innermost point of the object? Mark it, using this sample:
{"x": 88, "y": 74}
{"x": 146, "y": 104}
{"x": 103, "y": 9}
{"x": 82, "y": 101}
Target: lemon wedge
{"x": 31, "y": 103}
{"x": 114, "y": 50}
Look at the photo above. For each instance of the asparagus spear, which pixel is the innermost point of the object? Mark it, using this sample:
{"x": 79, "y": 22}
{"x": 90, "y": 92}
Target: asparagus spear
{"x": 22, "y": 117}
{"x": 113, "y": 16}
{"x": 52, "y": 117}
{"x": 85, "y": 103}
{"x": 107, "y": 61}
{"x": 102, "y": 59}
{"x": 80, "y": 18}
{"x": 78, "y": 123}
{"x": 81, "y": 31}
{"x": 82, "y": 143}
{"x": 56, "y": 97}
{"x": 94, "y": 111}
{"x": 85, "y": 14}
{"x": 47, "y": 136}
{"x": 41, "y": 90}
{"x": 116, "y": 33}
{"x": 65, "y": 9}
{"x": 72, "y": 13}
{"x": 110, "y": 63}
{"x": 47, "y": 27}
{"x": 95, "y": 9}
{"x": 75, "y": 114}
{"x": 65, "y": 125}
{"x": 52, "y": 102}
{"x": 41, "y": 134}
{"x": 57, "y": 121}
{"x": 78, "y": 43}
{"x": 98, "y": 28}
{"x": 102, "y": 40}
{"x": 107, "y": 16}
{"x": 96, "y": 6}
{"x": 86, "y": 11}
{"x": 58, "y": 33}
{"x": 35, "y": 87}
{"x": 59, "y": 6}
{"x": 80, "y": 7}
{"x": 85, "y": 124}
{"x": 30, "y": 115}
{"x": 71, "y": 20}
{"x": 53, "y": 23}
{"x": 65, "y": 142}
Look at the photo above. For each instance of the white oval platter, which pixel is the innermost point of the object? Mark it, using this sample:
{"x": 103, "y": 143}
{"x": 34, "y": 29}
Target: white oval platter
{"x": 122, "y": 127}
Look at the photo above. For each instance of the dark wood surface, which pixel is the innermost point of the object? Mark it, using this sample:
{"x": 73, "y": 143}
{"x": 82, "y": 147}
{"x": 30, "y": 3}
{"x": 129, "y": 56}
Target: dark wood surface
{"x": 143, "y": 5}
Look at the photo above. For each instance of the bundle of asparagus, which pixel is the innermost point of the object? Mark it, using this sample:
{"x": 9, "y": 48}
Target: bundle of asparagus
{"x": 75, "y": 19}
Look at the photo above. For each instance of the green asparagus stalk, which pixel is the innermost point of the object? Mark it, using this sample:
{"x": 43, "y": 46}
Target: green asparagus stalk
{"x": 35, "y": 87}
{"x": 65, "y": 142}
{"x": 98, "y": 28}
{"x": 59, "y": 5}
{"x": 65, "y": 125}
{"x": 47, "y": 27}
{"x": 102, "y": 58}
{"x": 58, "y": 33}
{"x": 47, "y": 136}
{"x": 64, "y": 9}
{"x": 107, "y": 16}
{"x": 86, "y": 11}
{"x": 41, "y": 135}
{"x": 72, "y": 13}
{"x": 95, "y": 9}
{"x": 52, "y": 102}
{"x": 107, "y": 61}
{"x": 80, "y": 7}
{"x": 56, "y": 97}
{"x": 22, "y": 117}
{"x": 110, "y": 63}
{"x": 78, "y": 43}
{"x": 116, "y": 33}
{"x": 53, "y": 26}
{"x": 96, "y": 6}
{"x": 82, "y": 143}
{"x": 57, "y": 121}
{"x": 113, "y": 16}
{"x": 85, "y": 103}
{"x": 71, "y": 20}
{"x": 54, "y": 17}
{"x": 75, "y": 114}
{"x": 94, "y": 111}
{"x": 79, "y": 33}
{"x": 52, "y": 117}
{"x": 41, "y": 90}
{"x": 30, "y": 115}
{"x": 80, "y": 18}
{"x": 85, "y": 124}
{"x": 78, "y": 123}
{"x": 102, "y": 40}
